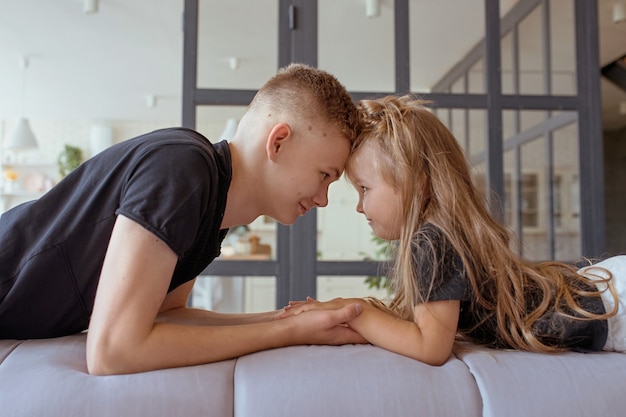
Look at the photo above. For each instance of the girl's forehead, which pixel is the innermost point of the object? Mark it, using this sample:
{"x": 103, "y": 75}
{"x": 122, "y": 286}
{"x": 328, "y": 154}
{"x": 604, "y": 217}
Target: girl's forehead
{"x": 367, "y": 149}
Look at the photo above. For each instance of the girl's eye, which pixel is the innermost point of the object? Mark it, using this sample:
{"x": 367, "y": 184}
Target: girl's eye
{"x": 363, "y": 189}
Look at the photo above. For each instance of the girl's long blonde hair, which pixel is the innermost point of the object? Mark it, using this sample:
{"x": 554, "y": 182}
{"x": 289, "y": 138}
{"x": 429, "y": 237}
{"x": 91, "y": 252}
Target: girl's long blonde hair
{"x": 427, "y": 165}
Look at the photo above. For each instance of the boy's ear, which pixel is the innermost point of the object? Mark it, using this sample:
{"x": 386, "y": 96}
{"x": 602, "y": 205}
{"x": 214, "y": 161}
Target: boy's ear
{"x": 280, "y": 133}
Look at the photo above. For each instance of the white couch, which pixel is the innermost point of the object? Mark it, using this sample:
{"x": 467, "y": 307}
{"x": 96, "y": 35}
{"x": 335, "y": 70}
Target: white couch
{"x": 49, "y": 378}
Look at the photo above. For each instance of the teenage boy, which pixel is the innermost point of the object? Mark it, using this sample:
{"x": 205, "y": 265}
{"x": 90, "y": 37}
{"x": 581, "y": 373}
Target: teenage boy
{"x": 115, "y": 247}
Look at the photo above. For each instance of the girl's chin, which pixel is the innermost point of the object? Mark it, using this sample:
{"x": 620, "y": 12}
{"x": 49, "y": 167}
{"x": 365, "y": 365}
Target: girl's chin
{"x": 383, "y": 236}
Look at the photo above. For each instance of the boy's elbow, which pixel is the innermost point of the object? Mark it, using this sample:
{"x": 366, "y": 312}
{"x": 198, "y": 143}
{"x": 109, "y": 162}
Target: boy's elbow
{"x": 104, "y": 359}
{"x": 101, "y": 364}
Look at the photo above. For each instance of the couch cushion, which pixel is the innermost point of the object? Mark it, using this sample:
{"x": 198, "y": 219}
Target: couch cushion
{"x": 530, "y": 384}
{"x": 351, "y": 380}
{"x": 6, "y": 347}
{"x": 49, "y": 377}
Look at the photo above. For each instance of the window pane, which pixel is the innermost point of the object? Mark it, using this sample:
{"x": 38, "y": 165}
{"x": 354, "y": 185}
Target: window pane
{"x": 563, "y": 50}
{"x": 350, "y": 54}
{"x": 477, "y": 78}
{"x": 434, "y": 53}
{"x": 468, "y": 127}
{"x": 226, "y": 50}
{"x": 533, "y": 203}
{"x": 234, "y": 294}
{"x": 329, "y": 287}
{"x": 532, "y": 66}
{"x": 508, "y": 64}
{"x": 342, "y": 233}
{"x": 566, "y": 194}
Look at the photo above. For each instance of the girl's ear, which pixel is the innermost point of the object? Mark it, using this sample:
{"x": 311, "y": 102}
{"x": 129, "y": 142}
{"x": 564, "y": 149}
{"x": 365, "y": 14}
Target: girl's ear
{"x": 280, "y": 133}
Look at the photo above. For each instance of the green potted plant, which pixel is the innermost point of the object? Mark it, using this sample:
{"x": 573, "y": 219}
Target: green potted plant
{"x": 70, "y": 158}
{"x": 384, "y": 250}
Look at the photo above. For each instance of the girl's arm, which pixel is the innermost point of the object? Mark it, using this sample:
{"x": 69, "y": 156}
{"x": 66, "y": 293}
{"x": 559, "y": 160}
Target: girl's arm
{"x": 429, "y": 338}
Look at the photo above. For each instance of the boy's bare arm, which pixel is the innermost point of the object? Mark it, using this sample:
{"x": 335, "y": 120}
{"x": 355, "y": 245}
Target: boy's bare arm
{"x": 125, "y": 337}
{"x": 174, "y": 310}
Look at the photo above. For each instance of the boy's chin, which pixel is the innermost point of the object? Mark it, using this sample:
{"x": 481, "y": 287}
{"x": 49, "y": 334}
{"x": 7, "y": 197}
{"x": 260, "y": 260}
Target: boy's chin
{"x": 285, "y": 220}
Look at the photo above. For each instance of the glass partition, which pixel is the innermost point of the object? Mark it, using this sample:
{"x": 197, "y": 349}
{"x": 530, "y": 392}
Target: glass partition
{"x": 541, "y": 172}
{"x": 434, "y": 53}
{"x": 362, "y": 58}
{"x": 544, "y": 57}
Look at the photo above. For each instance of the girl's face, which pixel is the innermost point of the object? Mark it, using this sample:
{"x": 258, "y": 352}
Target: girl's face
{"x": 379, "y": 201}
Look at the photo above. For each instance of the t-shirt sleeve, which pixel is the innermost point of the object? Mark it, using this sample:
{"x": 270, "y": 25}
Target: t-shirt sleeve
{"x": 167, "y": 192}
{"x": 439, "y": 268}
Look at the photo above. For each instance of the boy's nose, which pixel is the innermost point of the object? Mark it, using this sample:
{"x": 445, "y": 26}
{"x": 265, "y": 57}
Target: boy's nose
{"x": 321, "y": 198}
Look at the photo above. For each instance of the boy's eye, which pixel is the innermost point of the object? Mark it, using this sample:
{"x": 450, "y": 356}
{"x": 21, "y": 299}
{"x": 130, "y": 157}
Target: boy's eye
{"x": 325, "y": 175}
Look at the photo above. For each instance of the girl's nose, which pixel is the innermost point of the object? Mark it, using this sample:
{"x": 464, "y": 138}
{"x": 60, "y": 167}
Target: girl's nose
{"x": 359, "y": 206}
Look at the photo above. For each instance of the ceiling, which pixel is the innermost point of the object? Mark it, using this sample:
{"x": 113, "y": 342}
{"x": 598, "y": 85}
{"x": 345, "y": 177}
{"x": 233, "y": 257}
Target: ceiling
{"x": 104, "y": 65}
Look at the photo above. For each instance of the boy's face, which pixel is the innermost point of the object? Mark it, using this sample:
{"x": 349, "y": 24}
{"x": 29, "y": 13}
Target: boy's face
{"x": 379, "y": 201}
{"x": 309, "y": 163}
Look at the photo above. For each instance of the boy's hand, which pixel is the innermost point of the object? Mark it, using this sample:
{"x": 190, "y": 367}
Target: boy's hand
{"x": 297, "y": 307}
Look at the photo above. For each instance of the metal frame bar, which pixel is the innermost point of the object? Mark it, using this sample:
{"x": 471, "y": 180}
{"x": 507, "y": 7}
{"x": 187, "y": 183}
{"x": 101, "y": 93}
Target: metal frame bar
{"x": 493, "y": 83}
{"x": 402, "y": 46}
{"x": 549, "y": 137}
{"x": 190, "y": 63}
{"x": 590, "y": 141}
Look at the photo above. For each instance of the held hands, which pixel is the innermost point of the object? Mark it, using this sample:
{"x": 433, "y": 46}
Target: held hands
{"x": 324, "y": 322}
{"x": 297, "y": 307}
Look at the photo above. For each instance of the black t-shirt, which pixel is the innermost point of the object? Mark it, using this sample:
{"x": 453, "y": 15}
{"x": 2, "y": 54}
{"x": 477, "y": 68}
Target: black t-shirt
{"x": 173, "y": 182}
{"x": 446, "y": 279}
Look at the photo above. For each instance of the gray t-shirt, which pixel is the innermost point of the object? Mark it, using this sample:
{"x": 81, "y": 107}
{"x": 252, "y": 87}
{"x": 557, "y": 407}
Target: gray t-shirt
{"x": 447, "y": 280}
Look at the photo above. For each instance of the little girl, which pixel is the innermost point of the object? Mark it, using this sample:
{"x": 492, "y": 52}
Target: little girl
{"x": 454, "y": 276}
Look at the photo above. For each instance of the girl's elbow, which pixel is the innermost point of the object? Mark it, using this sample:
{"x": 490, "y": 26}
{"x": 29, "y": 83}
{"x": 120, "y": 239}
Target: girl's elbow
{"x": 434, "y": 358}
{"x": 437, "y": 360}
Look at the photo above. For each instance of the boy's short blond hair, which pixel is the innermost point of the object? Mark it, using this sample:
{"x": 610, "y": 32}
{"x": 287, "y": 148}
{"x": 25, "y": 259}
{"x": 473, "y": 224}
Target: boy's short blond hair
{"x": 309, "y": 92}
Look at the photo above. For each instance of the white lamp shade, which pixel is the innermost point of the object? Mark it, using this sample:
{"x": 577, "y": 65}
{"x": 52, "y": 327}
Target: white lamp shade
{"x": 101, "y": 138}
{"x": 372, "y": 8}
{"x": 229, "y": 129}
{"x": 619, "y": 12}
{"x": 21, "y": 137}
